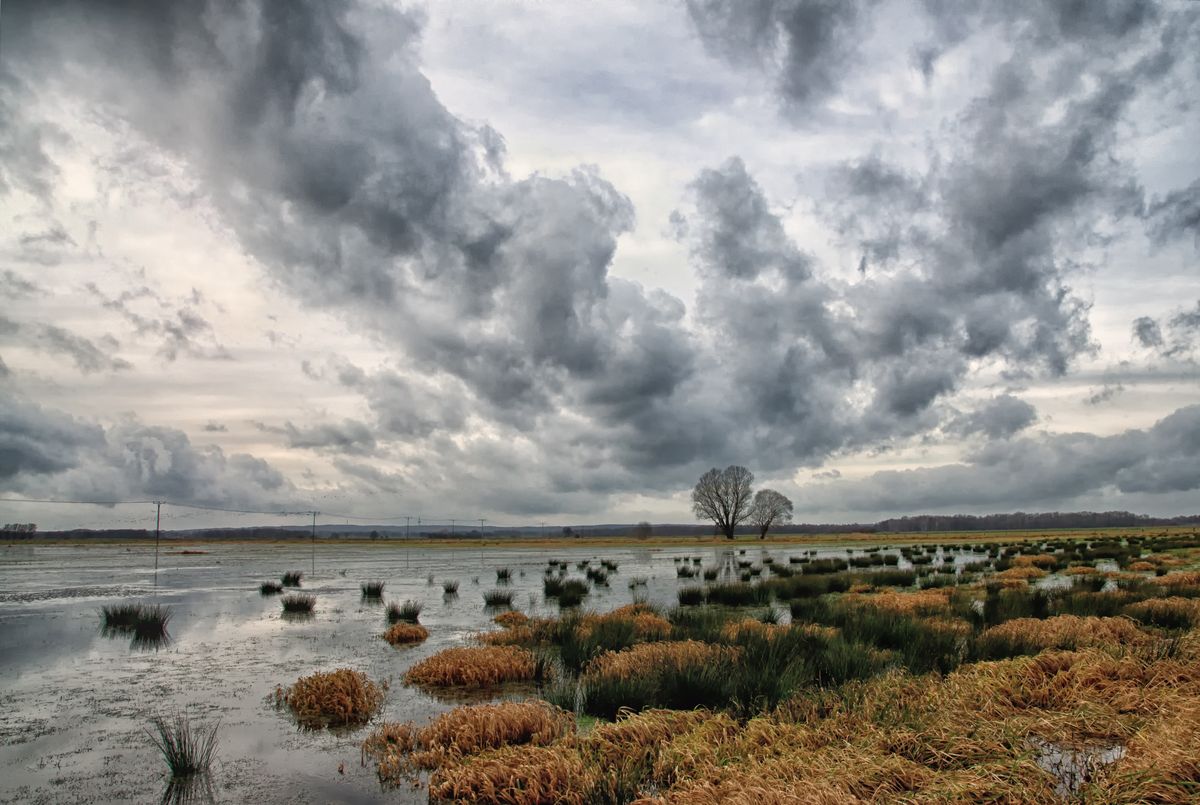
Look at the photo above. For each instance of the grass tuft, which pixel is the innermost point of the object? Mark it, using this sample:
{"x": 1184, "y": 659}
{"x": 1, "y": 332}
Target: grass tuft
{"x": 270, "y": 588}
{"x": 187, "y": 749}
{"x": 372, "y": 590}
{"x": 299, "y": 603}
{"x": 341, "y": 698}
{"x": 292, "y": 578}
{"x": 408, "y": 612}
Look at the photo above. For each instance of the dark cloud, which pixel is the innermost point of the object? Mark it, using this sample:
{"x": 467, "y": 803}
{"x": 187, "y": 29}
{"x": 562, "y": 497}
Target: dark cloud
{"x": 1104, "y": 394}
{"x": 809, "y": 44}
{"x": 14, "y": 286}
{"x": 1147, "y": 332}
{"x": 1180, "y": 339}
{"x": 40, "y": 441}
{"x": 347, "y": 437}
{"x": 88, "y": 356}
{"x": 181, "y": 331}
{"x": 999, "y": 418}
{"x": 25, "y": 164}
{"x": 1051, "y": 469}
{"x": 49, "y": 452}
{"x": 215, "y": 427}
{"x": 1177, "y": 215}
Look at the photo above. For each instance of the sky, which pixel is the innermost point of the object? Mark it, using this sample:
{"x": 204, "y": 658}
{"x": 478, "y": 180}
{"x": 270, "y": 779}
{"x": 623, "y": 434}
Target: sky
{"x": 549, "y": 262}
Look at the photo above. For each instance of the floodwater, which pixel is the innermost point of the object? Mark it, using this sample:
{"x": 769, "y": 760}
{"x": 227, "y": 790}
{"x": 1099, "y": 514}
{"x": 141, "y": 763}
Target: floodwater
{"x": 74, "y": 703}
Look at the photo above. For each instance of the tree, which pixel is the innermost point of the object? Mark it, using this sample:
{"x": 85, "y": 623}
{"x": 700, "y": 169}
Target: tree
{"x": 723, "y": 496}
{"x": 643, "y": 530}
{"x": 769, "y": 507}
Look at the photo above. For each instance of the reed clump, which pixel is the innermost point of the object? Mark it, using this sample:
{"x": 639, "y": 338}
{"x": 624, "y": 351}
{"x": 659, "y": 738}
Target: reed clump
{"x": 408, "y": 612}
{"x": 372, "y": 590}
{"x": 187, "y": 749}
{"x": 1033, "y": 635}
{"x": 270, "y": 588}
{"x": 402, "y": 634}
{"x": 341, "y": 698}
{"x": 1174, "y": 612}
{"x": 292, "y": 578}
{"x": 476, "y": 666}
{"x": 298, "y": 603}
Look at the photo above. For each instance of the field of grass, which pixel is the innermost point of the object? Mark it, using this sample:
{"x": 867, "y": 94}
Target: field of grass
{"x": 1055, "y": 669}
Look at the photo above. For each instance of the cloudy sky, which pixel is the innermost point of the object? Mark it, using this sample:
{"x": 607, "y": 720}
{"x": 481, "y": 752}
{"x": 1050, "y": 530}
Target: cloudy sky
{"x": 550, "y": 261}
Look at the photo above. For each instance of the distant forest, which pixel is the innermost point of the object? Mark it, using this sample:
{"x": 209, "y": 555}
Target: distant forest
{"x": 1018, "y": 521}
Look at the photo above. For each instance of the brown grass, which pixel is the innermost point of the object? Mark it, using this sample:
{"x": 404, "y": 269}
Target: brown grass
{"x": 1042, "y": 560}
{"x": 474, "y": 666}
{"x": 1142, "y": 567}
{"x": 650, "y": 657}
{"x": 511, "y": 618}
{"x": 1020, "y": 573}
{"x": 1180, "y": 578}
{"x": 405, "y": 633}
{"x": 517, "y": 775}
{"x": 1031, "y": 635}
{"x": 401, "y": 749}
{"x": 1159, "y": 609}
{"x": 338, "y": 698}
{"x": 917, "y": 602}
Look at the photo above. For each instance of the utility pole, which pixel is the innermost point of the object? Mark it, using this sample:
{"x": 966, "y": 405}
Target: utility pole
{"x": 314, "y": 541}
{"x": 157, "y": 532}
{"x": 407, "y": 518}
{"x": 452, "y": 521}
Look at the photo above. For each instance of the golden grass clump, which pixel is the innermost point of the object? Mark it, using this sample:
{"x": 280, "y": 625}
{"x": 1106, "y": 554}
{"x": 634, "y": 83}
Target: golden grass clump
{"x": 1042, "y": 560}
{"x": 1174, "y": 610}
{"x": 400, "y": 634}
{"x": 647, "y": 624}
{"x": 511, "y": 618}
{"x": 516, "y": 775}
{"x": 916, "y": 602}
{"x": 401, "y": 749}
{"x": 1081, "y": 570}
{"x": 650, "y": 657}
{"x": 734, "y": 631}
{"x": 1180, "y": 578}
{"x": 1161, "y": 764}
{"x": 475, "y": 666}
{"x": 338, "y": 698}
{"x": 1031, "y": 635}
{"x": 1022, "y": 573}
{"x": 1142, "y": 566}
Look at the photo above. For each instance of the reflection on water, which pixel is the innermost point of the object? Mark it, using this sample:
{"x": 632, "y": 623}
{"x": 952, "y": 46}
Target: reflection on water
{"x": 143, "y": 636}
{"x": 195, "y": 789}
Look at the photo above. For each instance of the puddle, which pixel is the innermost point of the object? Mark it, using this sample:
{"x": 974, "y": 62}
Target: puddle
{"x": 1073, "y": 767}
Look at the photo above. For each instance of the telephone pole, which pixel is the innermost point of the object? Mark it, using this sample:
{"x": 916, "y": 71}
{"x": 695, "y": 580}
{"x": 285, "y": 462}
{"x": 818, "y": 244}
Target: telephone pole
{"x": 407, "y": 518}
{"x": 157, "y": 532}
{"x": 314, "y": 541}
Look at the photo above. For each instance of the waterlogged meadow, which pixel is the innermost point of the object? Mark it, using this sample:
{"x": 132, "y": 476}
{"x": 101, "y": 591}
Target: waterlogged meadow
{"x": 1048, "y": 670}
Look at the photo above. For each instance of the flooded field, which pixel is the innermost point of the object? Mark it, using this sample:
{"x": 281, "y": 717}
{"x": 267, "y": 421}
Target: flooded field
{"x": 74, "y": 703}
{"x": 765, "y": 638}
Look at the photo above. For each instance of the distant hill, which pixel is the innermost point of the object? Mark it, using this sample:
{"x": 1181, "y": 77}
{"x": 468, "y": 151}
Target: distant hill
{"x": 922, "y": 523}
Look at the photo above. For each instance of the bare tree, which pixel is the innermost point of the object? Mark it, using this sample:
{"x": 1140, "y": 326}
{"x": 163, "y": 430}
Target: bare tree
{"x": 770, "y": 507}
{"x": 643, "y": 530}
{"x": 723, "y": 496}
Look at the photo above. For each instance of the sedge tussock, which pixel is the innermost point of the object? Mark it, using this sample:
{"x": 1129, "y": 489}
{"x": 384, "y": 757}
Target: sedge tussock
{"x": 736, "y": 631}
{"x": 1081, "y": 570}
{"x": 1180, "y": 578}
{"x": 1160, "y": 764}
{"x": 647, "y": 658}
{"x": 1142, "y": 567}
{"x": 917, "y": 602}
{"x": 338, "y": 698}
{"x": 511, "y": 618}
{"x": 1173, "y": 612}
{"x": 1020, "y": 573}
{"x": 400, "y": 749}
{"x": 402, "y": 634}
{"x": 1042, "y": 560}
{"x": 474, "y": 666}
{"x": 1031, "y": 635}
{"x": 516, "y": 775}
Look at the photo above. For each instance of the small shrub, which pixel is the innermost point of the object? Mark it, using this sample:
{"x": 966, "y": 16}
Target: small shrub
{"x": 299, "y": 603}
{"x": 292, "y": 578}
{"x": 340, "y": 698}
{"x": 408, "y": 612}
{"x": 187, "y": 750}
